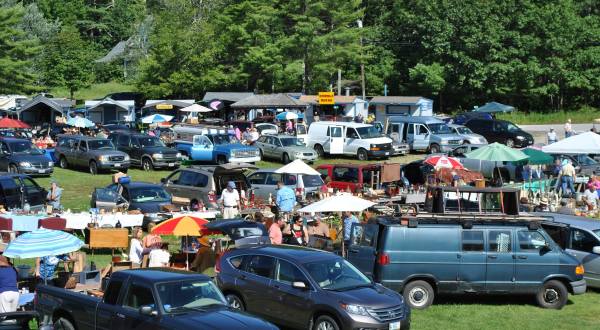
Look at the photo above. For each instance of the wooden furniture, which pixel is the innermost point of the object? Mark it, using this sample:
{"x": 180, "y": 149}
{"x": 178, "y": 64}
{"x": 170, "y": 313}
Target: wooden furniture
{"x": 120, "y": 265}
{"x": 113, "y": 238}
{"x": 6, "y": 224}
{"x": 54, "y": 223}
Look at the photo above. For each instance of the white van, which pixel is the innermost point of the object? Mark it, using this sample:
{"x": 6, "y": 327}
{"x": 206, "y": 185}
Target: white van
{"x": 347, "y": 138}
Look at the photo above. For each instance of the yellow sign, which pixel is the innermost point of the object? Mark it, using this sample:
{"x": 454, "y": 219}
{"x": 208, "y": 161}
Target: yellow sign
{"x": 326, "y": 98}
{"x": 164, "y": 106}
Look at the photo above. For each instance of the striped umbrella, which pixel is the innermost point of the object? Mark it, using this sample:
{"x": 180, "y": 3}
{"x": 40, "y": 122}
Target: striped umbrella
{"x": 42, "y": 243}
{"x": 181, "y": 226}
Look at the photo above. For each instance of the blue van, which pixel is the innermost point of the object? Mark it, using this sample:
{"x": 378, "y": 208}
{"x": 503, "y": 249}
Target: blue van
{"x": 427, "y": 255}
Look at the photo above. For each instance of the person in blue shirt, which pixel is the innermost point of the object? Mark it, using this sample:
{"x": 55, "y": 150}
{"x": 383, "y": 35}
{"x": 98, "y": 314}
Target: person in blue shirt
{"x": 54, "y": 195}
{"x": 286, "y": 198}
{"x": 46, "y": 266}
{"x": 9, "y": 293}
{"x": 349, "y": 219}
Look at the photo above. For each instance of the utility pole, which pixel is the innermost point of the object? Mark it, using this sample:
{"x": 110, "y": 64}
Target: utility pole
{"x": 362, "y": 63}
{"x": 339, "y": 82}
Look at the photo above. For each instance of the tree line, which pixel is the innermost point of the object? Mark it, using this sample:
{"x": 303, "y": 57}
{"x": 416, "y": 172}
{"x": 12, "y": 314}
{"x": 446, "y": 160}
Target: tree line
{"x": 535, "y": 55}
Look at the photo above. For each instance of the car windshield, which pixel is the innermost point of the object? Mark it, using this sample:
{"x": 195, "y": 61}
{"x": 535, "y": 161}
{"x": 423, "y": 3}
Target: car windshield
{"x": 184, "y": 295}
{"x": 440, "y": 128}
{"x": 149, "y": 194}
{"x": 336, "y": 275}
{"x": 291, "y": 142}
{"x": 24, "y": 147}
{"x": 312, "y": 180}
{"x": 368, "y": 132}
{"x": 512, "y": 127}
{"x": 463, "y": 130}
{"x": 151, "y": 142}
{"x": 100, "y": 145}
{"x": 597, "y": 232}
{"x": 261, "y": 128}
{"x": 586, "y": 160}
{"x": 300, "y": 129}
{"x": 223, "y": 139}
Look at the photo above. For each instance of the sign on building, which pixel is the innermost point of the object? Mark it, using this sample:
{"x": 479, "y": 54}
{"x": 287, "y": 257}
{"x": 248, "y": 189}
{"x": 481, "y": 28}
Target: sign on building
{"x": 326, "y": 98}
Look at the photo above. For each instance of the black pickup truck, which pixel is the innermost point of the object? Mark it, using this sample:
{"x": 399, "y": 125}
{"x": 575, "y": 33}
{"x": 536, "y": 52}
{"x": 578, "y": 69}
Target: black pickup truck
{"x": 151, "y": 298}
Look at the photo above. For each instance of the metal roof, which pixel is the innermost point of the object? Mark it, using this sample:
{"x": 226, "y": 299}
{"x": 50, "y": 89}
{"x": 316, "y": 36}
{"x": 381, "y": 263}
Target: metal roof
{"x": 337, "y": 99}
{"x": 121, "y": 104}
{"x": 55, "y": 103}
{"x": 396, "y": 99}
{"x": 176, "y": 103}
{"x": 269, "y": 101}
{"x": 226, "y": 96}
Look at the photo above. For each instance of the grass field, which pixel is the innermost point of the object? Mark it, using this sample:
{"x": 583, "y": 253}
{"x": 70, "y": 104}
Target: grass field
{"x": 94, "y": 91}
{"x": 583, "y": 115}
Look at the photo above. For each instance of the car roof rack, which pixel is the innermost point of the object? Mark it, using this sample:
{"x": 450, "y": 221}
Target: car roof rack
{"x": 465, "y": 219}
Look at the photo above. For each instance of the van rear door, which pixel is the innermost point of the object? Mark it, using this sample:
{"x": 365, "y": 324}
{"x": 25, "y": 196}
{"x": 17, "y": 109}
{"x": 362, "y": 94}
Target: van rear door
{"x": 336, "y": 140}
{"x": 362, "y": 251}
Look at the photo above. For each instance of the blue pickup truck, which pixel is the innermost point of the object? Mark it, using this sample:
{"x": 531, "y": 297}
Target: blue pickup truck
{"x": 151, "y": 298}
{"x": 212, "y": 145}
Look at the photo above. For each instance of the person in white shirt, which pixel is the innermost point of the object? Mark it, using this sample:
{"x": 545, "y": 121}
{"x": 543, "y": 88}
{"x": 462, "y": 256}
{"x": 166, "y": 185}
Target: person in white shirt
{"x": 159, "y": 257}
{"x": 230, "y": 201}
{"x": 568, "y": 128}
{"x": 552, "y": 136}
{"x": 254, "y": 135}
{"x": 590, "y": 195}
{"x": 136, "y": 249}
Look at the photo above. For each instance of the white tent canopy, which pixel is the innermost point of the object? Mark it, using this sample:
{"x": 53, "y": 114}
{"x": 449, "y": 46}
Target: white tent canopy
{"x": 585, "y": 143}
{"x": 338, "y": 203}
{"x": 297, "y": 167}
{"x": 196, "y": 108}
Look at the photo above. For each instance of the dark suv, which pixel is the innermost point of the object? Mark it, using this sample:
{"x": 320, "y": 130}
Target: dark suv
{"x": 501, "y": 131}
{"x": 89, "y": 152}
{"x": 146, "y": 151}
{"x": 21, "y": 156}
{"x": 16, "y": 190}
{"x": 304, "y": 288}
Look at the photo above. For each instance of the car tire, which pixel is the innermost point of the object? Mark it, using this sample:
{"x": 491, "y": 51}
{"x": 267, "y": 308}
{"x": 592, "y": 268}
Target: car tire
{"x": 319, "y": 149}
{"x": 221, "y": 160}
{"x": 510, "y": 143}
{"x": 62, "y": 162}
{"x": 93, "y": 168}
{"x": 553, "y": 295}
{"x": 362, "y": 154}
{"x": 12, "y": 168}
{"x": 326, "y": 322}
{"x": 285, "y": 158}
{"x": 434, "y": 149}
{"x": 418, "y": 294}
{"x": 235, "y": 302}
{"x": 147, "y": 164}
{"x": 63, "y": 324}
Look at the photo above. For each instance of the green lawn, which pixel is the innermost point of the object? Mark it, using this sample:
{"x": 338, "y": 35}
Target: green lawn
{"x": 582, "y": 115}
{"x": 94, "y": 91}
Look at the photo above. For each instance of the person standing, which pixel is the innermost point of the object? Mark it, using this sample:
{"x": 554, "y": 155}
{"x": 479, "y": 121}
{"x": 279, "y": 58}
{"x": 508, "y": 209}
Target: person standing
{"x": 590, "y": 197}
{"x": 159, "y": 257}
{"x": 275, "y": 233}
{"x": 349, "y": 219}
{"x": 135, "y": 247}
{"x": 205, "y": 259}
{"x": 9, "y": 292}
{"x": 46, "y": 266}
{"x": 285, "y": 199}
{"x": 298, "y": 231}
{"x": 54, "y": 195}
{"x": 316, "y": 227}
{"x": 568, "y": 128}
{"x": 552, "y": 136}
{"x": 230, "y": 201}
{"x": 567, "y": 177}
{"x": 151, "y": 241}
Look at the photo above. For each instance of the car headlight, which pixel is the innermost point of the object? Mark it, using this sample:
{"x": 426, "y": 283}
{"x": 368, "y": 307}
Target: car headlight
{"x": 178, "y": 155}
{"x": 355, "y": 309}
{"x": 50, "y": 164}
{"x": 157, "y": 156}
{"x": 126, "y": 157}
{"x": 297, "y": 154}
{"x": 103, "y": 158}
{"x": 25, "y": 164}
{"x": 520, "y": 137}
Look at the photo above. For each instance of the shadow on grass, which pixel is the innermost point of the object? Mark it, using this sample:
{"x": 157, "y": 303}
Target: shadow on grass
{"x": 486, "y": 299}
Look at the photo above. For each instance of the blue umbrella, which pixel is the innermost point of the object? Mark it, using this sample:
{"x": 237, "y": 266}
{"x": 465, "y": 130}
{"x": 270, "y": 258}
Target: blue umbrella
{"x": 80, "y": 122}
{"x": 42, "y": 243}
{"x": 153, "y": 119}
{"x": 288, "y": 115}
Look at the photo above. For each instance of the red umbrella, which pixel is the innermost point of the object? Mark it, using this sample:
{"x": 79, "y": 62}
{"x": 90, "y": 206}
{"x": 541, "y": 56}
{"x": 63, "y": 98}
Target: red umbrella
{"x": 444, "y": 162}
{"x": 181, "y": 226}
{"x": 12, "y": 123}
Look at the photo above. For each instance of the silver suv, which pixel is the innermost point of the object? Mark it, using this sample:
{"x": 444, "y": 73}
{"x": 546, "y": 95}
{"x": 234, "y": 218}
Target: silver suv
{"x": 96, "y": 154}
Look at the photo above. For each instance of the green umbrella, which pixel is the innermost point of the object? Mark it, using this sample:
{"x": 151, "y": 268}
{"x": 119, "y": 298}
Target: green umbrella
{"x": 538, "y": 157}
{"x": 497, "y": 152}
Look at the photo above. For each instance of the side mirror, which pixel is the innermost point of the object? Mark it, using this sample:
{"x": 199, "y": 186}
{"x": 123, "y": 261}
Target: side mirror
{"x": 163, "y": 180}
{"x": 596, "y": 250}
{"x": 299, "y": 285}
{"x": 147, "y": 310}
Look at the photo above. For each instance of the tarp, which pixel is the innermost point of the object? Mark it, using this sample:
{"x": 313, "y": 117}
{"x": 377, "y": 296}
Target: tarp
{"x": 492, "y": 107}
{"x": 497, "y": 152}
{"x": 585, "y": 143}
{"x": 538, "y": 157}
{"x": 338, "y": 203}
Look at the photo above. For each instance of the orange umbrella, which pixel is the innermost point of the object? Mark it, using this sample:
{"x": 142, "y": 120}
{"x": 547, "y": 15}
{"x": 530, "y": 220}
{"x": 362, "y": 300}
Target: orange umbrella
{"x": 182, "y": 226}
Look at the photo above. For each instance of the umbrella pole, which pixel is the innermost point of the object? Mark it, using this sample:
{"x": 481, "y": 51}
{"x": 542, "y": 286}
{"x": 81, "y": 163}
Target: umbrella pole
{"x": 187, "y": 259}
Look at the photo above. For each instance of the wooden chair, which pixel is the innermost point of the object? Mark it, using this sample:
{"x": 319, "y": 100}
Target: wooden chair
{"x": 54, "y": 223}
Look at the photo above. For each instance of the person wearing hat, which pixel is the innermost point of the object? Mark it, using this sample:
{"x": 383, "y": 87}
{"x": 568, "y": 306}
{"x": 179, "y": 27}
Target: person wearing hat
{"x": 316, "y": 227}
{"x": 567, "y": 177}
{"x": 230, "y": 201}
{"x": 524, "y": 205}
{"x": 205, "y": 259}
{"x": 9, "y": 292}
{"x": 543, "y": 206}
{"x": 590, "y": 197}
{"x": 54, "y": 195}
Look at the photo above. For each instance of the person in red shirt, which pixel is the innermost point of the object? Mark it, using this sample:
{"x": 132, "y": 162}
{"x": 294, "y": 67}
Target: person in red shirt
{"x": 275, "y": 231}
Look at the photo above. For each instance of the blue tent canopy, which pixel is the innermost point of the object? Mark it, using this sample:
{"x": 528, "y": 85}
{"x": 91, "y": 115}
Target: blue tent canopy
{"x": 492, "y": 107}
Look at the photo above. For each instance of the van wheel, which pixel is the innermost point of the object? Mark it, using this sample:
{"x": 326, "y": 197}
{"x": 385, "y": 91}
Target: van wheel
{"x": 362, "y": 154}
{"x": 434, "y": 149}
{"x": 12, "y": 168}
{"x": 285, "y": 159}
{"x": 63, "y": 324}
{"x": 553, "y": 294}
{"x": 325, "y": 322}
{"x": 319, "y": 149}
{"x": 63, "y": 162}
{"x": 510, "y": 143}
{"x": 147, "y": 164}
{"x": 93, "y": 168}
{"x": 221, "y": 160}
{"x": 418, "y": 294}
{"x": 235, "y": 302}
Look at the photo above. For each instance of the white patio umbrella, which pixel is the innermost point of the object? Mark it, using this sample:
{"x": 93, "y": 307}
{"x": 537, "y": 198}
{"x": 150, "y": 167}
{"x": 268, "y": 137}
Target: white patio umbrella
{"x": 196, "y": 108}
{"x": 297, "y": 167}
{"x": 338, "y": 203}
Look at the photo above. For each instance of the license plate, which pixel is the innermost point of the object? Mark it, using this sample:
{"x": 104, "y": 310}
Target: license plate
{"x": 395, "y": 326}
{"x": 41, "y": 171}
{"x": 117, "y": 165}
{"x": 171, "y": 164}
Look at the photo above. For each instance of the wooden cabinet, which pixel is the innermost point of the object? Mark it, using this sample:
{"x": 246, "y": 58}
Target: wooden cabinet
{"x": 112, "y": 238}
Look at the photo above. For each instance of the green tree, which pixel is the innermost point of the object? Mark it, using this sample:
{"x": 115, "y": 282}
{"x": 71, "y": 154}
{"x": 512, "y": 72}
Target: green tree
{"x": 16, "y": 53}
{"x": 67, "y": 61}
